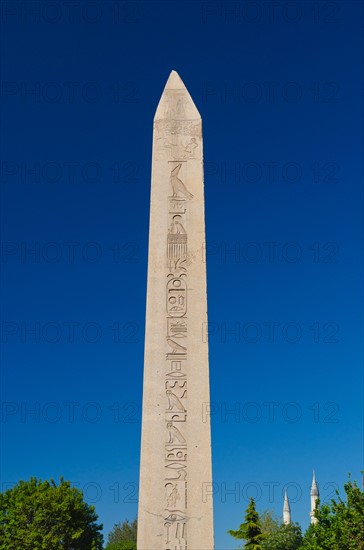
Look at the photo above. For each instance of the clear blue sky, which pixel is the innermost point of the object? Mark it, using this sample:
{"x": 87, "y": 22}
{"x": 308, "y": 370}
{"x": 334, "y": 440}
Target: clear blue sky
{"x": 279, "y": 87}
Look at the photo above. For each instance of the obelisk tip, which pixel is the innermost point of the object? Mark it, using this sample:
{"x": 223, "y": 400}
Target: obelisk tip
{"x": 174, "y": 81}
{"x": 176, "y": 102}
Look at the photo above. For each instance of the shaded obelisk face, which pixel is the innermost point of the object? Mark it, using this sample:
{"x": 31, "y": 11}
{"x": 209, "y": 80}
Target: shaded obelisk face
{"x": 175, "y": 506}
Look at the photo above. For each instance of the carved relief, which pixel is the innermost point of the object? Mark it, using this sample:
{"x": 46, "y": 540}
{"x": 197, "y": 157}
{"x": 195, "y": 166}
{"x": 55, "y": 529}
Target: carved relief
{"x": 176, "y": 416}
{"x": 178, "y": 354}
{"x": 177, "y": 267}
{"x": 176, "y": 328}
{"x": 176, "y": 531}
{"x": 175, "y": 435}
{"x": 174, "y": 402}
{"x": 176, "y": 411}
{"x": 180, "y": 474}
{"x": 172, "y": 495}
{"x": 174, "y": 454}
{"x": 176, "y": 386}
{"x": 178, "y": 186}
{"x": 164, "y": 149}
{"x": 176, "y": 297}
{"x": 177, "y": 205}
{"x": 175, "y": 103}
{"x": 177, "y": 349}
{"x": 190, "y": 149}
{"x": 176, "y": 227}
{"x": 175, "y": 148}
{"x": 177, "y": 240}
{"x": 176, "y": 515}
{"x": 179, "y": 388}
{"x": 167, "y": 128}
{"x": 186, "y": 146}
{"x": 176, "y": 370}
{"x": 173, "y": 465}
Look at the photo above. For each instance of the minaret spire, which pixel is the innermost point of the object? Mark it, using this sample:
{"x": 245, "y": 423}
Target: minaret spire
{"x": 315, "y": 496}
{"x": 286, "y": 510}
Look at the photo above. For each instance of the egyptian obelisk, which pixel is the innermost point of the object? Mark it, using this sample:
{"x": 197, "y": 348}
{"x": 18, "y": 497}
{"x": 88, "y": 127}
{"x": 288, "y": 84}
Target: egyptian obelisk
{"x": 174, "y": 512}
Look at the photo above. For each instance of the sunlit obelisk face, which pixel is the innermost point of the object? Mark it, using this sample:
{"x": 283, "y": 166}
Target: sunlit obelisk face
{"x": 175, "y": 506}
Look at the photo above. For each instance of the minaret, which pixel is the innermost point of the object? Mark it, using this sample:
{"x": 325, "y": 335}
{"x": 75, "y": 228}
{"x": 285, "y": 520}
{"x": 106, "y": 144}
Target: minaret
{"x": 315, "y": 495}
{"x": 286, "y": 510}
{"x": 175, "y": 490}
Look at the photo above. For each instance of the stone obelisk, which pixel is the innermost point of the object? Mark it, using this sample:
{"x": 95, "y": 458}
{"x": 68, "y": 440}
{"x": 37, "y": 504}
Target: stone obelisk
{"x": 174, "y": 511}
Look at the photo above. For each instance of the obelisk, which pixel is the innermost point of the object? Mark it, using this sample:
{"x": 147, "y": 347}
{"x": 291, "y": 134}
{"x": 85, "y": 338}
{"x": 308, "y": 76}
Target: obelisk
{"x": 174, "y": 512}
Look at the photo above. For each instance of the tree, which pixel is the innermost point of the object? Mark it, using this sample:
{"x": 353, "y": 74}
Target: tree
{"x": 123, "y": 536}
{"x": 284, "y": 537}
{"x": 250, "y": 530}
{"x": 269, "y": 522}
{"x": 320, "y": 536}
{"x": 278, "y": 536}
{"x": 41, "y": 515}
{"x": 340, "y": 524}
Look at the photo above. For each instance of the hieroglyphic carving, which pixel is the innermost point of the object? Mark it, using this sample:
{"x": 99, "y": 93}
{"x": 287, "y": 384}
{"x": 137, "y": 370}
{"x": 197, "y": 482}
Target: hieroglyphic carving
{"x": 176, "y": 297}
{"x": 177, "y": 247}
{"x": 177, "y": 239}
{"x": 177, "y": 205}
{"x": 173, "y": 416}
{"x": 179, "y": 388}
{"x": 168, "y": 149}
{"x": 190, "y": 128}
{"x": 174, "y": 402}
{"x": 179, "y": 473}
{"x": 176, "y": 370}
{"x": 177, "y": 349}
{"x": 175, "y": 103}
{"x": 176, "y": 410}
{"x": 177, "y": 140}
{"x": 175, "y": 454}
{"x": 176, "y": 226}
{"x": 176, "y": 531}
{"x": 178, "y": 186}
{"x": 174, "y": 434}
{"x": 172, "y": 494}
{"x": 176, "y": 328}
{"x": 190, "y": 149}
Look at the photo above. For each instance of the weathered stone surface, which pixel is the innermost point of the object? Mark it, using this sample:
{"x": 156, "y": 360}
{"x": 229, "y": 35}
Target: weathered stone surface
{"x": 175, "y": 512}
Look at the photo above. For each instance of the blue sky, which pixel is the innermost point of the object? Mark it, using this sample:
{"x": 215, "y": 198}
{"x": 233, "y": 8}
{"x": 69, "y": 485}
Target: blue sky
{"x": 279, "y": 88}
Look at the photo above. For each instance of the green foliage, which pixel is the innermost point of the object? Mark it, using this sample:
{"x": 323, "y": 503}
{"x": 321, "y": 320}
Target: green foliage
{"x": 284, "y": 537}
{"x": 250, "y": 530}
{"x": 320, "y": 536}
{"x": 123, "y": 536}
{"x": 269, "y": 522}
{"x": 278, "y": 536}
{"x": 41, "y": 515}
{"x": 340, "y": 524}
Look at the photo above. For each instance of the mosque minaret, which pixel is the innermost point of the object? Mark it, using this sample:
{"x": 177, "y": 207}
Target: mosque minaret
{"x": 286, "y": 510}
{"x": 315, "y": 496}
